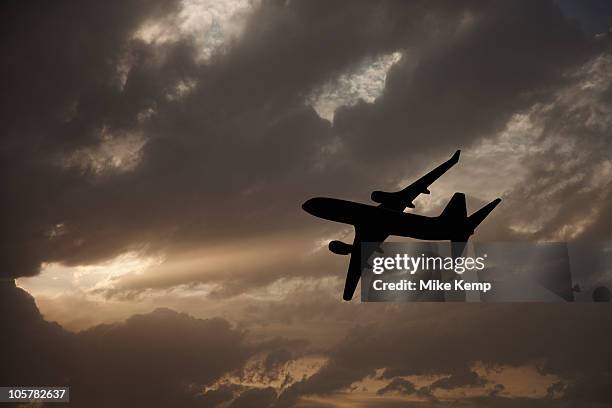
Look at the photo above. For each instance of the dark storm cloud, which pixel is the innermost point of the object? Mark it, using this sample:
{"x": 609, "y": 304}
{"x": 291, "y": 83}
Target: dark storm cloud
{"x": 567, "y": 173}
{"x": 58, "y": 58}
{"x": 166, "y": 358}
{"x": 595, "y": 17}
{"x": 508, "y": 56}
{"x": 244, "y": 123}
{"x": 238, "y": 154}
{"x": 255, "y": 398}
{"x": 235, "y": 157}
{"x": 160, "y": 359}
{"x": 443, "y": 342}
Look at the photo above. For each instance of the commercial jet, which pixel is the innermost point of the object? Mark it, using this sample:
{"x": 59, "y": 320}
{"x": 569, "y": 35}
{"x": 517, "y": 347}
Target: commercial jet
{"x": 376, "y": 223}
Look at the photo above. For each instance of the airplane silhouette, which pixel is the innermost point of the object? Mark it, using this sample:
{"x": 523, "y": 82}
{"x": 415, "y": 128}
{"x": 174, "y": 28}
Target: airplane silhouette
{"x": 375, "y": 224}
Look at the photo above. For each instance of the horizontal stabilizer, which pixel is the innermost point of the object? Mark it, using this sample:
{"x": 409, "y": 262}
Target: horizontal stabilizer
{"x": 475, "y": 219}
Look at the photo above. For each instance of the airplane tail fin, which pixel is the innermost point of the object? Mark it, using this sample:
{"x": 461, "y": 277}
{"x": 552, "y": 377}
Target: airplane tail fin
{"x": 456, "y": 208}
{"x": 456, "y": 211}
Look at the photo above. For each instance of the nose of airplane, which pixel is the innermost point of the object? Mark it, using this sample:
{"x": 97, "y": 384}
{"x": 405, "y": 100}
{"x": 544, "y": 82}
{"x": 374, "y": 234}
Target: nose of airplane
{"x": 317, "y": 206}
{"x": 309, "y": 205}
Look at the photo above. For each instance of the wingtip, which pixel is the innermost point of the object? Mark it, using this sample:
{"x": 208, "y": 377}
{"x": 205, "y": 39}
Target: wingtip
{"x": 455, "y": 157}
{"x": 493, "y": 204}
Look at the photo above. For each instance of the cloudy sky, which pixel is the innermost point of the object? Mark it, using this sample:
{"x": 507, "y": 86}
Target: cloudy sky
{"x": 155, "y": 155}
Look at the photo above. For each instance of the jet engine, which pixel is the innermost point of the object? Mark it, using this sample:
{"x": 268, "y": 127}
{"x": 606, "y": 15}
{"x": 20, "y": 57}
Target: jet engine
{"x": 381, "y": 197}
{"x": 340, "y": 248}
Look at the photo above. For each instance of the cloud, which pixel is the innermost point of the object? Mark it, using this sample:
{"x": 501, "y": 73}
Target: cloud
{"x": 197, "y": 147}
{"x": 433, "y": 340}
{"x": 431, "y": 354}
{"x": 365, "y": 84}
{"x": 153, "y": 359}
{"x": 458, "y": 380}
{"x": 255, "y": 398}
{"x": 567, "y": 169}
{"x": 399, "y": 385}
{"x": 236, "y": 148}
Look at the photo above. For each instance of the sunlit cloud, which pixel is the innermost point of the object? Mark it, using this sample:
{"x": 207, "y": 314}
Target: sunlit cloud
{"x": 56, "y": 279}
{"x": 210, "y": 25}
{"x": 523, "y": 381}
{"x": 262, "y": 371}
{"x": 366, "y": 82}
{"x": 114, "y": 153}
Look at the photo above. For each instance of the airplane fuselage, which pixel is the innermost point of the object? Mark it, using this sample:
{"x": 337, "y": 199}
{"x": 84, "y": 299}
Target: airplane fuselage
{"x": 388, "y": 221}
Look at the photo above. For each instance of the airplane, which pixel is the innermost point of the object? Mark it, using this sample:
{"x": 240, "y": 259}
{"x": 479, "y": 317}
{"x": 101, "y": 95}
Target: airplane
{"x": 377, "y": 223}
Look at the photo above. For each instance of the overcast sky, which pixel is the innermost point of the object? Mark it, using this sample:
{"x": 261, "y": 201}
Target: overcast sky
{"x": 155, "y": 154}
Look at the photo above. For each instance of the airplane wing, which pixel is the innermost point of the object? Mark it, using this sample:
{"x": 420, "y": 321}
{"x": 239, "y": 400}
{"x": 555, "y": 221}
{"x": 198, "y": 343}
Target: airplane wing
{"x": 400, "y": 200}
{"x": 362, "y": 234}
